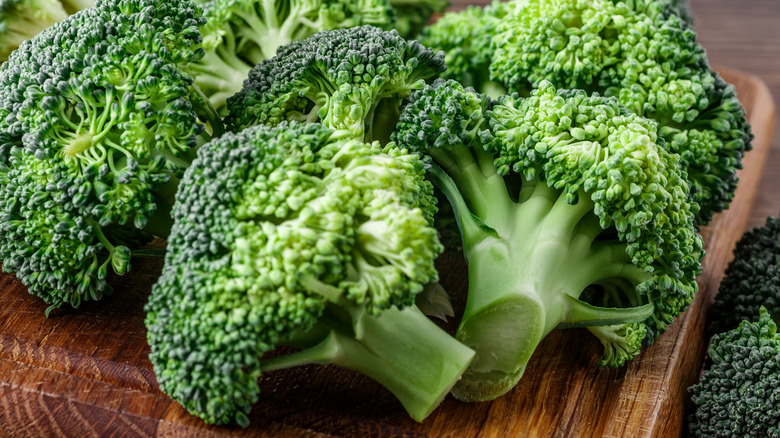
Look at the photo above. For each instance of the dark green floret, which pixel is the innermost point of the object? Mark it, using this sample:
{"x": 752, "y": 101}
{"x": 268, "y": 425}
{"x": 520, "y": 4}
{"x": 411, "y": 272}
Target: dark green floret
{"x": 240, "y": 33}
{"x": 571, "y": 214}
{"x": 738, "y": 394}
{"x": 752, "y": 278}
{"x": 353, "y": 79}
{"x": 97, "y": 121}
{"x": 641, "y": 52}
{"x": 300, "y": 236}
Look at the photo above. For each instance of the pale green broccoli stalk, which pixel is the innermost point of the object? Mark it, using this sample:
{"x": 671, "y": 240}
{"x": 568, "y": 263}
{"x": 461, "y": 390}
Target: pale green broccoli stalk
{"x": 559, "y": 197}
{"x": 239, "y": 34}
{"x": 98, "y": 121}
{"x": 641, "y": 52}
{"x": 411, "y": 16}
{"x": 351, "y": 79}
{"x": 301, "y": 236}
{"x": 752, "y": 278}
{"x": 21, "y": 20}
{"x": 737, "y": 395}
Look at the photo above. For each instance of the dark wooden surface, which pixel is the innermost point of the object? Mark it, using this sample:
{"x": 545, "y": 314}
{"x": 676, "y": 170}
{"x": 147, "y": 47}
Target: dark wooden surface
{"x": 85, "y": 373}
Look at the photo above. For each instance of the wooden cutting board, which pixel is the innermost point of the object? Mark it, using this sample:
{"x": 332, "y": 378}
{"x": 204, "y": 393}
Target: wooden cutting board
{"x": 86, "y": 373}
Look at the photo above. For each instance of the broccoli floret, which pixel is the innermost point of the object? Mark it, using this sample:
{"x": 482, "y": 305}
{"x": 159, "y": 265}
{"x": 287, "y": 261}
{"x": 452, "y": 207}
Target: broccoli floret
{"x": 240, "y": 33}
{"x": 556, "y": 195}
{"x": 411, "y": 16}
{"x": 641, "y": 52}
{"x": 298, "y": 235}
{"x": 97, "y": 121}
{"x": 737, "y": 395}
{"x": 752, "y": 278}
{"x": 353, "y": 79}
{"x": 465, "y": 37}
{"x": 21, "y": 20}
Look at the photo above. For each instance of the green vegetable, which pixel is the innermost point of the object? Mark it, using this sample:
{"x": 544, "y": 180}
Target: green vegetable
{"x": 640, "y": 52}
{"x": 97, "y": 120}
{"x": 411, "y": 16}
{"x": 752, "y": 278}
{"x": 239, "y": 34}
{"x": 571, "y": 214}
{"x": 21, "y": 20}
{"x": 352, "y": 79}
{"x": 298, "y": 235}
{"x": 737, "y": 395}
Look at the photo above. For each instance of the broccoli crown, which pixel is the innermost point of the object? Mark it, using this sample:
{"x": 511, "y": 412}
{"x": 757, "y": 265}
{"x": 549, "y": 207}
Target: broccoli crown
{"x": 272, "y": 225}
{"x": 541, "y": 185}
{"x": 737, "y": 395}
{"x": 640, "y": 52}
{"x": 239, "y": 34}
{"x": 351, "y": 79}
{"x": 411, "y": 16}
{"x": 465, "y": 37}
{"x": 752, "y": 278}
{"x": 97, "y": 116}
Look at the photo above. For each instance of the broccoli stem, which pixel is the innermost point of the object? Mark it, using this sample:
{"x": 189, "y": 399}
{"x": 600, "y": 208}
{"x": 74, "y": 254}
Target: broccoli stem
{"x": 528, "y": 263}
{"x": 402, "y": 350}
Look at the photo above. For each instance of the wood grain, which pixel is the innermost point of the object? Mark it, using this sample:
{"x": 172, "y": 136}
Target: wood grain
{"x": 86, "y": 372}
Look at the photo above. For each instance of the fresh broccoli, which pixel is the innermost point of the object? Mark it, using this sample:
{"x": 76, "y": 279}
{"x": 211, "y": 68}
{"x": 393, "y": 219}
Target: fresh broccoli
{"x": 641, "y": 52}
{"x": 97, "y": 121}
{"x": 739, "y": 392}
{"x": 353, "y": 79}
{"x": 240, "y": 33}
{"x": 752, "y": 278}
{"x": 299, "y": 235}
{"x": 21, "y": 20}
{"x": 411, "y": 16}
{"x": 560, "y": 198}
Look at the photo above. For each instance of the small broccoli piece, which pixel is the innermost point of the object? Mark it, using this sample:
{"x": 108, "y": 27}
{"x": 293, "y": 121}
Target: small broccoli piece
{"x": 752, "y": 278}
{"x": 298, "y": 235}
{"x": 739, "y": 392}
{"x": 558, "y": 197}
{"x": 411, "y": 16}
{"x": 350, "y": 79}
{"x": 465, "y": 37}
{"x": 641, "y": 52}
{"x": 98, "y": 120}
{"x": 21, "y": 20}
{"x": 239, "y": 34}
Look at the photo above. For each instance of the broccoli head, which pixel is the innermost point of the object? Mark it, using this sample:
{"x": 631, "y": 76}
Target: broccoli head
{"x": 299, "y": 235}
{"x": 752, "y": 278}
{"x": 354, "y": 79}
{"x": 737, "y": 395}
{"x": 411, "y": 16}
{"x": 98, "y": 121}
{"x": 571, "y": 214}
{"x": 238, "y": 34}
{"x": 641, "y": 52}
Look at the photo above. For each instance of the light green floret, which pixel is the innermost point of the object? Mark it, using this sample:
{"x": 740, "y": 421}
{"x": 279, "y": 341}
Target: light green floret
{"x": 299, "y": 236}
{"x": 571, "y": 214}
{"x": 239, "y": 34}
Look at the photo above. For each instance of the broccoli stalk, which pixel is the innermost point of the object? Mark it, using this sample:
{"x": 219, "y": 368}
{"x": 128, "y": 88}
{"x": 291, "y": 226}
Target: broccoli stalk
{"x": 570, "y": 215}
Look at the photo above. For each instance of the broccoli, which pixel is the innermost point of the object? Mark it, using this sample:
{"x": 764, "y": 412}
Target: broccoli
{"x": 752, "y": 278}
{"x": 571, "y": 214}
{"x": 411, "y": 16}
{"x": 640, "y": 52}
{"x": 353, "y": 79}
{"x": 21, "y": 20}
{"x": 97, "y": 121}
{"x": 739, "y": 392}
{"x": 239, "y": 34}
{"x": 299, "y": 235}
